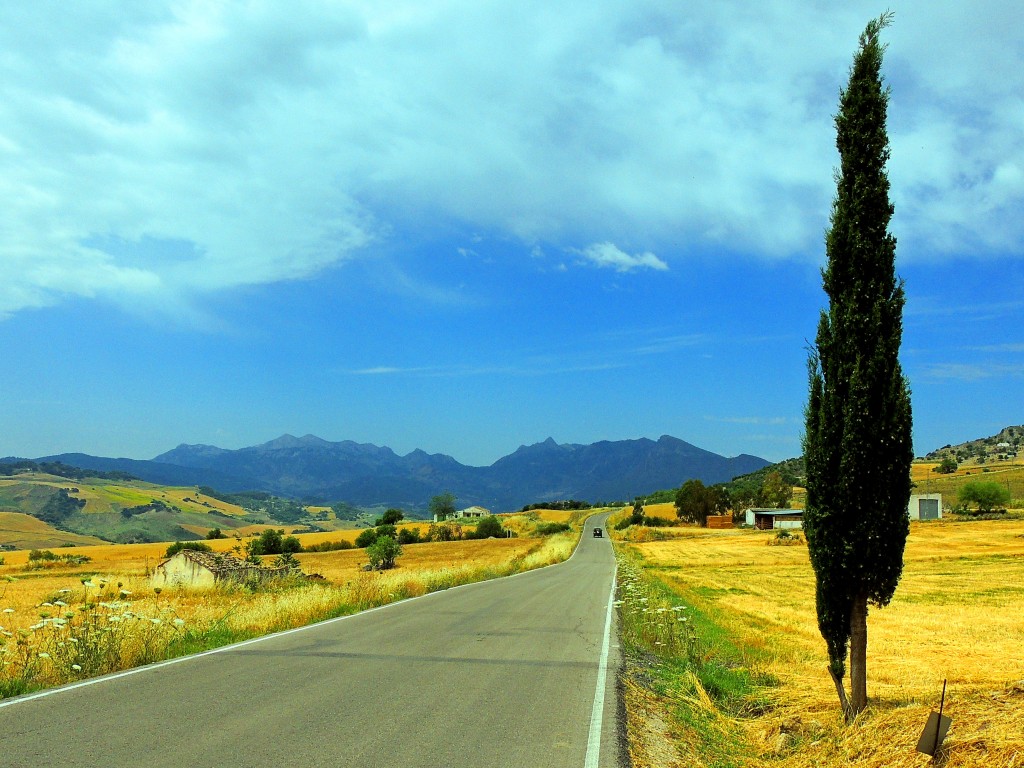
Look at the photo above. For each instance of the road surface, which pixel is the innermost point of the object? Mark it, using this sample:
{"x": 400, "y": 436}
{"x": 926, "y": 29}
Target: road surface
{"x": 501, "y": 673}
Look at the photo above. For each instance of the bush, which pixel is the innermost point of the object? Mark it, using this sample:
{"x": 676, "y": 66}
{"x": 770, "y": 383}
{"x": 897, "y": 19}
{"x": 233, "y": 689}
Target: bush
{"x": 383, "y": 553}
{"x": 390, "y": 517}
{"x": 408, "y": 536}
{"x": 177, "y": 546}
{"x": 989, "y": 496}
{"x": 215, "y": 533}
{"x": 329, "y": 546}
{"x": 444, "y": 532}
{"x": 366, "y": 538}
{"x": 547, "y": 529}
{"x": 488, "y": 527}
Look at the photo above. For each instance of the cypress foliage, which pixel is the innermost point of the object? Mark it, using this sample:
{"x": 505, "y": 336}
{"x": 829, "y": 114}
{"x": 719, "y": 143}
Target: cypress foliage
{"x": 858, "y": 422}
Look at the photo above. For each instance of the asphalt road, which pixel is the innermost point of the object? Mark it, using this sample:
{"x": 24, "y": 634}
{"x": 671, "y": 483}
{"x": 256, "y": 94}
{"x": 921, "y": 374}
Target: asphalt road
{"x": 502, "y": 673}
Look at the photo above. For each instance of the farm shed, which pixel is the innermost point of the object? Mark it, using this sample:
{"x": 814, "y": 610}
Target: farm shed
{"x": 205, "y": 569}
{"x": 925, "y": 506}
{"x": 473, "y": 512}
{"x": 769, "y": 519}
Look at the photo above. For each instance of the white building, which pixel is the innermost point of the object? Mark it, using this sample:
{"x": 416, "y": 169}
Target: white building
{"x": 925, "y": 506}
{"x": 771, "y": 519}
{"x": 469, "y": 512}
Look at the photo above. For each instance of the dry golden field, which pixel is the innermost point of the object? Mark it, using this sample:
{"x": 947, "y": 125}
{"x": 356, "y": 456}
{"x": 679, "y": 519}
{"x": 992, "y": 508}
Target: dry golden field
{"x": 958, "y": 615}
{"x": 27, "y": 532}
{"x": 63, "y": 622}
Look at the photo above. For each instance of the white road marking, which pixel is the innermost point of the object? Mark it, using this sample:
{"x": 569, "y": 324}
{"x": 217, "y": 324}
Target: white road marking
{"x": 597, "y": 713}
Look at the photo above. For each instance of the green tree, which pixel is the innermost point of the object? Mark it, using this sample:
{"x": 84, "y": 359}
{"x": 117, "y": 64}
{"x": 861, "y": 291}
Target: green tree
{"x": 775, "y": 492}
{"x": 989, "y": 496}
{"x": 442, "y": 506}
{"x": 391, "y": 517}
{"x": 366, "y": 538}
{"x": 215, "y": 533}
{"x": 947, "y": 466}
{"x": 694, "y": 502}
{"x": 383, "y": 553}
{"x": 489, "y": 527}
{"x": 857, "y": 442}
{"x": 409, "y": 536}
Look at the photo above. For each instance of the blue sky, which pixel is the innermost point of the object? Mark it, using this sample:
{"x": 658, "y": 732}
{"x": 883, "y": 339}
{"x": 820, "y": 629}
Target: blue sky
{"x": 466, "y": 226}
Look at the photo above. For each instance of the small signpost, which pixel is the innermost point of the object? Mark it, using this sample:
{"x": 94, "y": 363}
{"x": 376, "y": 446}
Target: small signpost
{"x": 935, "y": 729}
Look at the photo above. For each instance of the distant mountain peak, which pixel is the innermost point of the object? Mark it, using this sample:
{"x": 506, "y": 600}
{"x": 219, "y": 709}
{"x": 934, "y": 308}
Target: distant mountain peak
{"x": 290, "y": 441}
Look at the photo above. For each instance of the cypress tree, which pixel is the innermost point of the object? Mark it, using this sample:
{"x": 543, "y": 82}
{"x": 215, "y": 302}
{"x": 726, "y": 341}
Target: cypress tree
{"x": 858, "y": 423}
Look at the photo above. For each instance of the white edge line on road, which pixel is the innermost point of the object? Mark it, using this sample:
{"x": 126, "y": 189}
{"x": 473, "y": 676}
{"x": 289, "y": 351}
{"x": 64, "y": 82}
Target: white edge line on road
{"x": 234, "y": 646}
{"x": 597, "y": 713}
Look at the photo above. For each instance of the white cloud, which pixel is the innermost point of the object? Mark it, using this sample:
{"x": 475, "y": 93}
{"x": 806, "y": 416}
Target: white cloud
{"x": 275, "y": 140}
{"x": 610, "y": 255}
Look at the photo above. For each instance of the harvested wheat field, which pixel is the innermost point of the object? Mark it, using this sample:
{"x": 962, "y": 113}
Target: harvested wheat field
{"x": 61, "y": 621}
{"x": 958, "y": 615}
{"x": 27, "y": 532}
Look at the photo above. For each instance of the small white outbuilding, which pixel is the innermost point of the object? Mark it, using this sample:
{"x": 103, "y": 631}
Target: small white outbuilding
{"x": 925, "y": 506}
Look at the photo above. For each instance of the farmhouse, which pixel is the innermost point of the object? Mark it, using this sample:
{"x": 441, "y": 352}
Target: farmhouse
{"x": 769, "y": 519}
{"x": 468, "y": 512}
{"x": 473, "y": 512}
{"x": 925, "y": 506}
{"x": 205, "y": 569}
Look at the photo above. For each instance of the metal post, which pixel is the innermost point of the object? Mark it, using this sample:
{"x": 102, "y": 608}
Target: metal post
{"x": 942, "y": 703}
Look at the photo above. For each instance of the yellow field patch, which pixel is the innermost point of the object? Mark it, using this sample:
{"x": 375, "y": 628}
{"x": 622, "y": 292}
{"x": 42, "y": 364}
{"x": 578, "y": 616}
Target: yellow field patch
{"x": 27, "y": 532}
{"x": 956, "y": 615}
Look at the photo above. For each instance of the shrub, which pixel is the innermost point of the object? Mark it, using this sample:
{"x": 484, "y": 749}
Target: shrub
{"x": 177, "y": 546}
{"x": 383, "y": 553}
{"x": 366, "y": 538}
{"x": 287, "y": 560}
{"x": 488, "y": 527}
{"x": 547, "y": 529}
{"x": 390, "y": 517}
{"x": 387, "y": 530}
{"x": 215, "y": 533}
{"x": 989, "y": 496}
{"x": 329, "y": 546}
{"x": 444, "y": 532}
{"x": 408, "y": 536}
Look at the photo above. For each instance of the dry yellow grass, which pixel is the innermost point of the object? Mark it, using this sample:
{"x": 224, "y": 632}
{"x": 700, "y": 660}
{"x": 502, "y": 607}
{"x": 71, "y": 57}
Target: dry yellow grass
{"x": 115, "y": 583}
{"x": 27, "y": 532}
{"x": 958, "y": 615}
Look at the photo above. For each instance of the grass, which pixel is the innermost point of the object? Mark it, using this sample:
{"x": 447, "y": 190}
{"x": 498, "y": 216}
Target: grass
{"x": 50, "y": 618}
{"x": 27, "y": 532}
{"x": 956, "y": 616}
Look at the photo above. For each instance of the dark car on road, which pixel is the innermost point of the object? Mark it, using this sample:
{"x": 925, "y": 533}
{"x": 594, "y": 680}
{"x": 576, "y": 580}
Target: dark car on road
{"x": 598, "y": 533}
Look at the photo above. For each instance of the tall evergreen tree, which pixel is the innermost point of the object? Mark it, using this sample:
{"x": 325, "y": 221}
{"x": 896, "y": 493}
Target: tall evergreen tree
{"x": 858, "y": 423}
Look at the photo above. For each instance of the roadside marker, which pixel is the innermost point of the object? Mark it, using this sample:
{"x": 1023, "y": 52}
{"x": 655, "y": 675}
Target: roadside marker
{"x": 935, "y": 729}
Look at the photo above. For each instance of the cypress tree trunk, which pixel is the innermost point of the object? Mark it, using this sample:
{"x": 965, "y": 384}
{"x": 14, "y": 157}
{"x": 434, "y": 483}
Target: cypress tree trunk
{"x": 858, "y": 655}
{"x": 857, "y": 443}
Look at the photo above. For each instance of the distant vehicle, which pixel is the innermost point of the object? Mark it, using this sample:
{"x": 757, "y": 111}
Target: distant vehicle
{"x": 597, "y": 533}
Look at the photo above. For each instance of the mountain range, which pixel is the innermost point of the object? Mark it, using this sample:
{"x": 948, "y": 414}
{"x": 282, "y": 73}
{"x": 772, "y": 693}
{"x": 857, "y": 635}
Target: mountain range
{"x": 318, "y": 471}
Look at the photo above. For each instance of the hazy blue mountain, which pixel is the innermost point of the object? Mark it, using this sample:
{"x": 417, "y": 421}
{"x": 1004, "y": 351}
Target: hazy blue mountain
{"x": 365, "y": 474}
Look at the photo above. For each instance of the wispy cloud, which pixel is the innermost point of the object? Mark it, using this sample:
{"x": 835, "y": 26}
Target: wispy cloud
{"x": 772, "y": 421}
{"x": 610, "y": 255}
{"x": 461, "y": 371}
{"x": 972, "y": 372}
